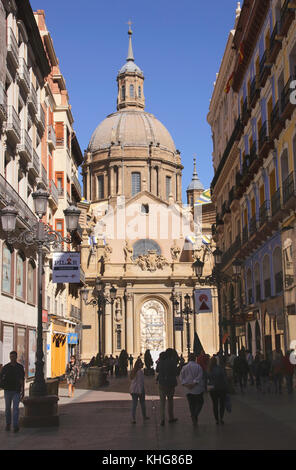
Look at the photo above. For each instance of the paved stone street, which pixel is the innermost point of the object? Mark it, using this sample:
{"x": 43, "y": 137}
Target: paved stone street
{"x": 101, "y": 420}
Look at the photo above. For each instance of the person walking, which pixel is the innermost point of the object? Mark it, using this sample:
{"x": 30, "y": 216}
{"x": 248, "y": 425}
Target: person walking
{"x": 167, "y": 380}
{"x": 264, "y": 372}
{"x": 288, "y": 371}
{"x": 137, "y": 390}
{"x": 192, "y": 377}
{"x": 256, "y": 371}
{"x": 218, "y": 388}
{"x": 131, "y": 361}
{"x": 277, "y": 370}
{"x": 240, "y": 370}
{"x": 111, "y": 364}
{"x": 249, "y": 358}
{"x": 12, "y": 380}
{"x": 72, "y": 375}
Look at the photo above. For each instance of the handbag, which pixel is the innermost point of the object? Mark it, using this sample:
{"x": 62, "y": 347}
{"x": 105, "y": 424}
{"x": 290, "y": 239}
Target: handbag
{"x": 228, "y": 404}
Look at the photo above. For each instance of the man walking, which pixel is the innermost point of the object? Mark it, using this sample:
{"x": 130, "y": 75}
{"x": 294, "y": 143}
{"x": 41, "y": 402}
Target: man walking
{"x": 167, "y": 379}
{"x": 12, "y": 379}
{"x": 192, "y": 378}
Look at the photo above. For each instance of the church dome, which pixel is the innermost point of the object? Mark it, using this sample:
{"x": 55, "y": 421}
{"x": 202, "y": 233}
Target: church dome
{"x": 132, "y": 127}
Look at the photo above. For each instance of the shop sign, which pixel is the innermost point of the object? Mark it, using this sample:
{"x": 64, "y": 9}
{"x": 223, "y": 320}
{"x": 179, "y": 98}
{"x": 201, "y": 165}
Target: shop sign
{"x": 66, "y": 267}
{"x": 203, "y": 300}
{"x": 72, "y": 338}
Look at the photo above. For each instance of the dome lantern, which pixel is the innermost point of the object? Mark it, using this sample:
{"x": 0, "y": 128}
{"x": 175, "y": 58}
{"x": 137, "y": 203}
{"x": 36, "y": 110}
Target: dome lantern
{"x": 130, "y": 80}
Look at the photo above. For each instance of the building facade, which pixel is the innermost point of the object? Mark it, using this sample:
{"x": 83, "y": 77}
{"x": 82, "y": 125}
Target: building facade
{"x": 133, "y": 232}
{"x": 33, "y": 99}
{"x": 254, "y": 183}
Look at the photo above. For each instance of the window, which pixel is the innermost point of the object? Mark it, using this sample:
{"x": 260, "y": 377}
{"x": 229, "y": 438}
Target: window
{"x": 101, "y": 187}
{"x": 59, "y": 130}
{"x": 168, "y": 181}
{"x": 140, "y": 92}
{"x": 123, "y": 92}
{"x": 31, "y": 282}
{"x": 7, "y": 269}
{"x": 132, "y": 91}
{"x": 141, "y": 247}
{"x": 118, "y": 338}
{"x": 59, "y": 181}
{"x": 145, "y": 208}
{"x": 20, "y": 276}
{"x": 136, "y": 183}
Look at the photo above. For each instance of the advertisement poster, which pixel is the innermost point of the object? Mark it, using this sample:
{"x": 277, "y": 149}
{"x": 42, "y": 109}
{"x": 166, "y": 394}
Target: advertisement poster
{"x": 66, "y": 267}
{"x": 32, "y": 353}
{"x": 21, "y": 346}
{"x": 7, "y": 343}
{"x": 203, "y": 300}
{"x": 6, "y": 270}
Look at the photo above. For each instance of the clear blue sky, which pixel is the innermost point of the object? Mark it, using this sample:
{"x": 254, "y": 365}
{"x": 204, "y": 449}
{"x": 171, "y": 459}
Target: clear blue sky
{"x": 179, "y": 46}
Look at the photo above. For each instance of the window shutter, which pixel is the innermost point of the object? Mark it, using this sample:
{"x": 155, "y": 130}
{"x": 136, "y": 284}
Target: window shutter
{"x": 59, "y": 130}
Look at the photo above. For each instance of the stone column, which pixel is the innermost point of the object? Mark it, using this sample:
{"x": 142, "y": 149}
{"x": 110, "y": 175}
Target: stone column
{"x": 108, "y": 327}
{"x": 129, "y": 323}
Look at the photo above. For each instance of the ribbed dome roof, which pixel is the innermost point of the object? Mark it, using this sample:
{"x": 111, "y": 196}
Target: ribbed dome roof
{"x": 133, "y": 128}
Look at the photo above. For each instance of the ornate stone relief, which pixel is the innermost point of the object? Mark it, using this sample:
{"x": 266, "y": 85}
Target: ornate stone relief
{"x": 151, "y": 261}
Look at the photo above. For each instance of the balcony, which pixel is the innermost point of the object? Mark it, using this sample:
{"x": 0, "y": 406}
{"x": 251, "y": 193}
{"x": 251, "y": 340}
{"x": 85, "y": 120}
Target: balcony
{"x": 253, "y": 225}
{"x": 267, "y": 288}
{"x": 13, "y": 127}
{"x": 3, "y": 103}
{"x": 289, "y": 192}
{"x": 279, "y": 284}
{"x": 287, "y": 107}
{"x": 34, "y": 166}
{"x": 12, "y": 48}
{"x": 245, "y": 112}
{"x": 275, "y": 44}
{"x": 265, "y": 142}
{"x": 40, "y": 117}
{"x": 275, "y": 122}
{"x": 76, "y": 186}
{"x": 255, "y": 162}
{"x": 9, "y": 195}
{"x": 264, "y": 213}
{"x": 53, "y": 194}
{"x": 287, "y": 17}
{"x": 264, "y": 69}
{"x": 276, "y": 203}
{"x": 258, "y": 292}
{"x": 25, "y": 146}
{"x": 32, "y": 100}
{"x": 254, "y": 91}
{"x": 24, "y": 76}
{"x": 51, "y": 137}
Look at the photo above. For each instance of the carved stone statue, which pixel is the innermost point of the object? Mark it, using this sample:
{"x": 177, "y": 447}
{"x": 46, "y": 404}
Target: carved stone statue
{"x": 175, "y": 251}
{"x": 128, "y": 252}
{"x": 107, "y": 252}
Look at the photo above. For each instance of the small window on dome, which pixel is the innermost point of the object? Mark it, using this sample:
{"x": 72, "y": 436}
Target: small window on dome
{"x": 140, "y": 92}
{"x": 132, "y": 91}
{"x": 123, "y": 92}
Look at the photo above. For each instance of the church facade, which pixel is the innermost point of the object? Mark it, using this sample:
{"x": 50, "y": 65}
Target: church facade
{"x": 139, "y": 238}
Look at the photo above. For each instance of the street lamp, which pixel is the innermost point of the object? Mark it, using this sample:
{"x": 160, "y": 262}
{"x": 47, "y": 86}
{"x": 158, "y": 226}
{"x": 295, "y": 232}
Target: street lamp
{"x": 198, "y": 266}
{"x": 42, "y": 236}
{"x": 187, "y": 311}
{"x": 100, "y": 300}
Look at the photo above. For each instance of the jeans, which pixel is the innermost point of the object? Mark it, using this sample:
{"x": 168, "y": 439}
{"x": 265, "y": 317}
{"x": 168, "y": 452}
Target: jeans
{"x": 195, "y": 402}
{"x": 141, "y": 398}
{"x": 166, "y": 393}
{"x": 218, "y": 398}
{"x": 14, "y": 398}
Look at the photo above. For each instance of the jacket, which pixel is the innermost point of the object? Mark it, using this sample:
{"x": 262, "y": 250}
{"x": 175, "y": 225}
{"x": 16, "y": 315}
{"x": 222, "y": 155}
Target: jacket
{"x": 167, "y": 372}
{"x": 137, "y": 385}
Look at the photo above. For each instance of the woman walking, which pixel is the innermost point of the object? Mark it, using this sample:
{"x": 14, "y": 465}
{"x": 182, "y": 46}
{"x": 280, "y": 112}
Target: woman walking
{"x": 137, "y": 390}
{"x": 72, "y": 374}
{"x": 218, "y": 387}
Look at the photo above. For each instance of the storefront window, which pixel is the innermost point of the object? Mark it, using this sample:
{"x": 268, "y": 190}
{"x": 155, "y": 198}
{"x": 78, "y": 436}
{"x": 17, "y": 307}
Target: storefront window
{"x": 32, "y": 353}
{"x": 21, "y": 346}
{"x": 31, "y": 283}
{"x": 6, "y": 269}
{"x": 20, "y": 277}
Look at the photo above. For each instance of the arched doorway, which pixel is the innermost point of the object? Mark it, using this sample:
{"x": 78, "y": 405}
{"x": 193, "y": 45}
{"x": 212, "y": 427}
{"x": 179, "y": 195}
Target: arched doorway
{"x": 153, "y": 328}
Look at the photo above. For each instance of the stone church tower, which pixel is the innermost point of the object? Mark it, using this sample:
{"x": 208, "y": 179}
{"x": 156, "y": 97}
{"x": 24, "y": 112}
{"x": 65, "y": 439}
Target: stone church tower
{"x": 135, "y": 232}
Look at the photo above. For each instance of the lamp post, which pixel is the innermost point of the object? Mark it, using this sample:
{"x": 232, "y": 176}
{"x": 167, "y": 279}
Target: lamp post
{"x": 187, "y": 311}
{"x": 100, "y": 300}
{"x": 42, "y": 236}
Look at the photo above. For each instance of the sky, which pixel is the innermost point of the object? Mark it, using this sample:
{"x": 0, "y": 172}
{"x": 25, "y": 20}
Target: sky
{"x": 179, "y": 46}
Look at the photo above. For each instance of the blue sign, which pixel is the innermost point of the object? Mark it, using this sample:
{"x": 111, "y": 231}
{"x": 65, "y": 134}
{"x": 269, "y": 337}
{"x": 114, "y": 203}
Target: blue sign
{"x": 73, "y": 338}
